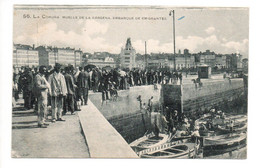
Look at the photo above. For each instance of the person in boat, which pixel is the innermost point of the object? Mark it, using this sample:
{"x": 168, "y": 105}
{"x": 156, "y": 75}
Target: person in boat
{"x": 139, "y": 98}
{"x": 185, "y": 124}
{"x": 195, "y": 135}
{"x": 212, "y": 113}
{"x": 231, "y": 125}
{"x": 209, "y": 125}
{"x": 144, "y": 108}
{"x": 179, "y": 133}
{"x": 171, "y": 134}
{"x": 175, "y": 117}
{"x": 150, "y": 104}
{"x": 170, "y": 124}
{"x": 223, "y": 115}
{"x": 169, "y": 120}
{"x": 203, "y": 127}
{"x": 155, "y": 123}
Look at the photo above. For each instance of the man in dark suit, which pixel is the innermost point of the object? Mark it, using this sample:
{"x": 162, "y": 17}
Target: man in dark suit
{"x": 69, "y": 101}
{"x": 83, "y": 84}
{"x": 27, "y": 82}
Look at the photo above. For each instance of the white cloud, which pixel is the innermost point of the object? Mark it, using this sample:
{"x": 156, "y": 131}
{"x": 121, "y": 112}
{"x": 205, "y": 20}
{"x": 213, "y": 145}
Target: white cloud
{"x": 236, "y": 46}
{"x": 152, "y": 46}
{"x": 91, "y": 38}
{"x": 194, "y": 44}
{"x": 210, "y": 30}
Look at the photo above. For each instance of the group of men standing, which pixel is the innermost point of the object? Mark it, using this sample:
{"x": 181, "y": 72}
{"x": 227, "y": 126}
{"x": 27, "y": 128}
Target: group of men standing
{"x": 64, "y": 91}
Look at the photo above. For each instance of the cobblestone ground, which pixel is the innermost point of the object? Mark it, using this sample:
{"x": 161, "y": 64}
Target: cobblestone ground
{"x": 60, "y": 139}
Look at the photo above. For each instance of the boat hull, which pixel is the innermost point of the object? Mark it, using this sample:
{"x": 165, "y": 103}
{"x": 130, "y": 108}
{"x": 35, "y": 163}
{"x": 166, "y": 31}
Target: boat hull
{"x": 220, "y": 146}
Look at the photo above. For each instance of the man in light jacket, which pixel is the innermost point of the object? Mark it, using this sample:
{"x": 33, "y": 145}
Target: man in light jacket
{"x": 58, "y": 90}
{"x": 41, "y": 91}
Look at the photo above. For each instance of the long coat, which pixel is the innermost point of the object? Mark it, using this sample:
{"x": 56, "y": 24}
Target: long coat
{"x": 70, "y": 83}
{"x": 83, "y": 80}
{"x": 41, "y": 87}
{"x": 58, "y": 84}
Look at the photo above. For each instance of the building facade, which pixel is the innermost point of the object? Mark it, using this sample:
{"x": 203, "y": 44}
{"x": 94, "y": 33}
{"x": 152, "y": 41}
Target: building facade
{"x": 208, "y": 58}
{"x": 25, "y": 55}
{"x": 245, "y": 65}
{"x": 101, "y": 63}
{"x": 128, "y": 56}
{"x": 78, "y": 58}
{"x": 48, "y": 56}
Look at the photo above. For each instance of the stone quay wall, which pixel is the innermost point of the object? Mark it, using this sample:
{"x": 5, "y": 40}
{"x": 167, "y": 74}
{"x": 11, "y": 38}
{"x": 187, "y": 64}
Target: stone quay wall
{"x": 210, "y": 94}
{"x": 125, "y": 114}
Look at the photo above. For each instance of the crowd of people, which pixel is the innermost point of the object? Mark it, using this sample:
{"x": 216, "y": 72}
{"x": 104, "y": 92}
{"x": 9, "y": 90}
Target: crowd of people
{"x": 63, "y": 88}
{"x": 66, "y": 88}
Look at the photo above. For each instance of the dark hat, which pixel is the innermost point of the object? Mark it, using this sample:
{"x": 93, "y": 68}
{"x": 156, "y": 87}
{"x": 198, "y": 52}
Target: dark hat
{"x": 57, "y": 65}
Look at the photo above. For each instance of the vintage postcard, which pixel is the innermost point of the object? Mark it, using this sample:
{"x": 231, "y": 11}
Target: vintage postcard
{"x": 130, "y": 82}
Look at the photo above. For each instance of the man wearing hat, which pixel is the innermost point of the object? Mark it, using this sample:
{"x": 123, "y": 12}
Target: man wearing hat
{"x": 58, "y": 90}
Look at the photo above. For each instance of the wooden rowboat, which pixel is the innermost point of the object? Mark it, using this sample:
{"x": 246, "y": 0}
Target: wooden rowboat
{"x": 177, "y": 149}
{"x": 237, "y": 118}
{"x": 148, "y": 141}
{"x": 223, "y": 143}
{"x": 240, "y": 127}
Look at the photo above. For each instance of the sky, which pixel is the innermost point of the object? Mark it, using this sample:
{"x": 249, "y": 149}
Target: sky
{"x": 94, "y": 29}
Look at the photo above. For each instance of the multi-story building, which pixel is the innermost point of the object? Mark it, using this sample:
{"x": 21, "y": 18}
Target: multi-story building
{"x": 208, "y": 58}
{"x": 182, "y": 61}
{"x": 25, "y": 55}
{"x": 220, "y": 61}
{"x": 78, "y": 58}
{"x": 234, "y": 62}
{"x": 140, "y": 64}
{"x": 128, "y": 55}
{"x": 66, "y": 56}
{"x": 245, "y": 65}
{"x": 101, "y": 63}
{"x": 48, "y": 56}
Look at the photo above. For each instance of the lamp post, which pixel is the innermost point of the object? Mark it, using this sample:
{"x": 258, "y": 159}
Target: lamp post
{"x": 173, "y": 32}
{"x": 145, "y": 57}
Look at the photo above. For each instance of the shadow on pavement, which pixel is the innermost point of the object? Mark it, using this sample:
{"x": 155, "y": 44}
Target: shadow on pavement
{"x": 24, "y": 114}
{"x": 25, "y": 127}
{"x": 25, "y": 122}
{"x": 19, "y": 109}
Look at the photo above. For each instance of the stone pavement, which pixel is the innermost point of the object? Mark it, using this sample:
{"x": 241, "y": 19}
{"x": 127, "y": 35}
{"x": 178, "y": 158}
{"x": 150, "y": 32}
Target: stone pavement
{"x": 59, "y": 140}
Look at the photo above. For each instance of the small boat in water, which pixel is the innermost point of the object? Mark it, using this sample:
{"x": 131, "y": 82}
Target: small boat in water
{"x": 223, "y": 143}
{"x": 148, "y": 141}
{"x": 177, "y": 149}
{"x": 237, "y": 118}
{"x": 239, "y": 127}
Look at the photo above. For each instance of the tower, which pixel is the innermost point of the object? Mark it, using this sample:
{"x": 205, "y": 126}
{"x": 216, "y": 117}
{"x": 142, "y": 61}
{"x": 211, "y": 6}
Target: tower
{"x": 128, "y": 55}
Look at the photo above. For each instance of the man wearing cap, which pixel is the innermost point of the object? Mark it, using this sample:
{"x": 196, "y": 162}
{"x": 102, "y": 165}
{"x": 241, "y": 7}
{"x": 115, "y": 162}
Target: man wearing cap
{"x": 58, "y": 90}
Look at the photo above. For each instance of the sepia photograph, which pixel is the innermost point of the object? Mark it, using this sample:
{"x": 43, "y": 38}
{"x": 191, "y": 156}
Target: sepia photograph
{"x": 158, "y": 82}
